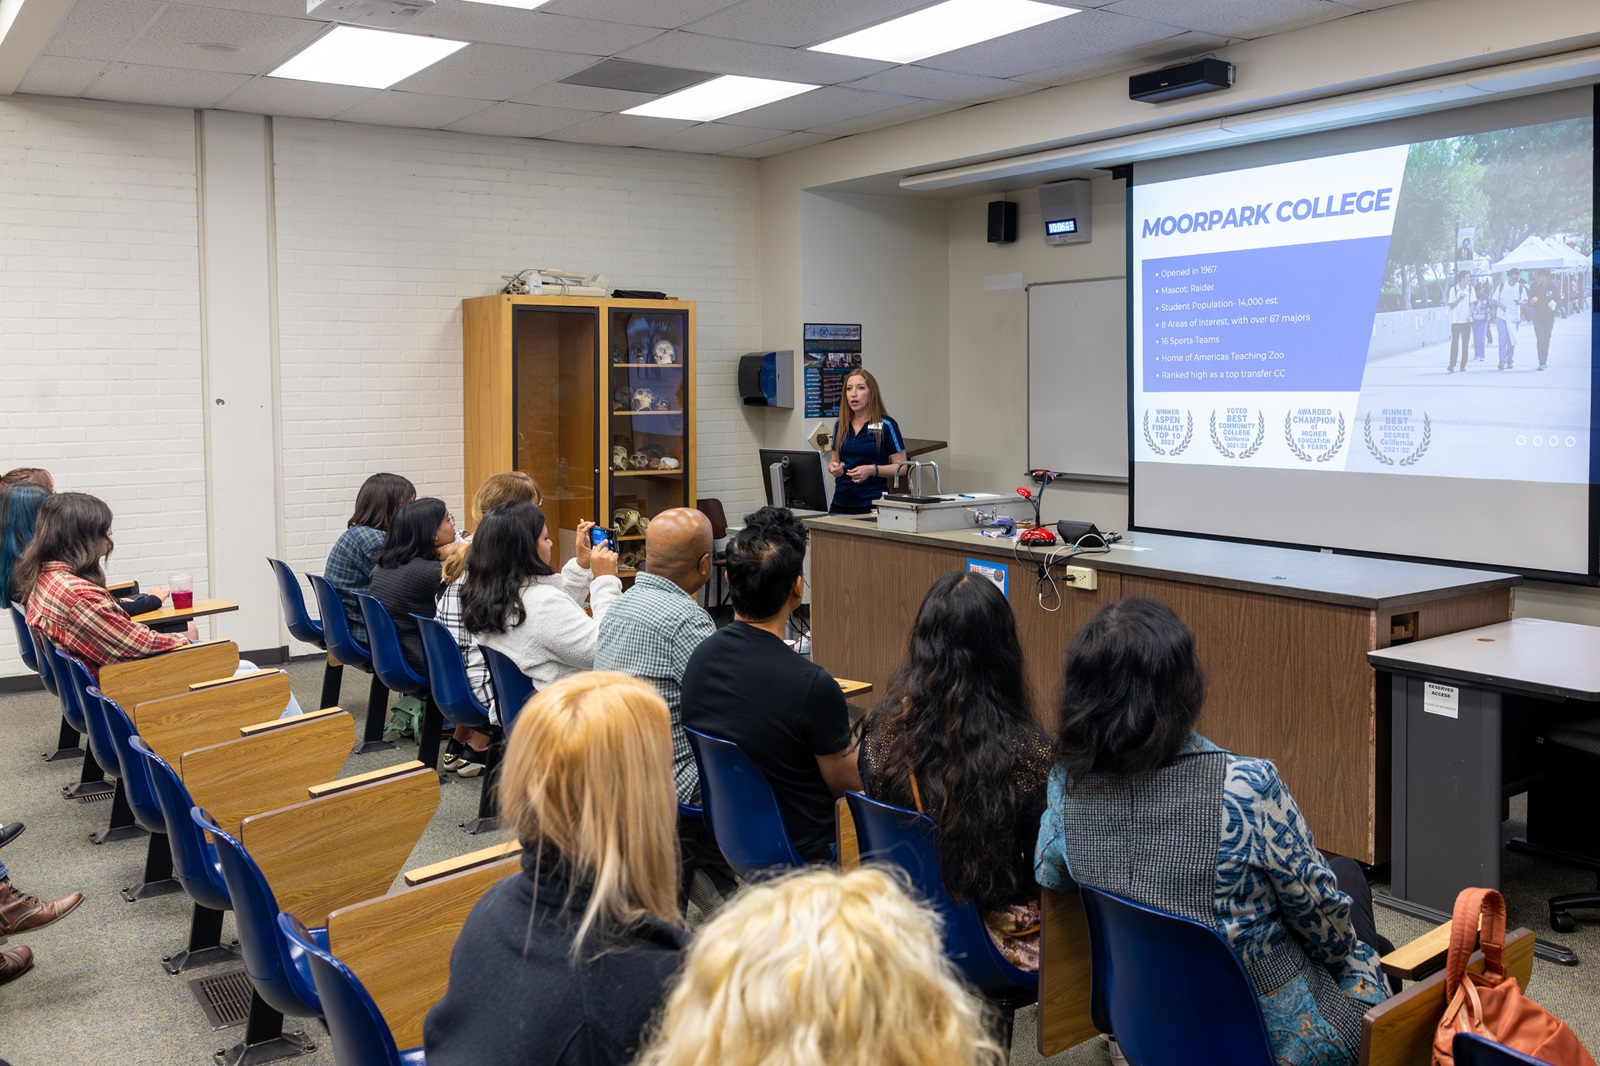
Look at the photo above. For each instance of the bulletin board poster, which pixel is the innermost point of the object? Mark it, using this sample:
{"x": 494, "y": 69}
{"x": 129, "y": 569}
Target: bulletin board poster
{"x": 832, "y": 350}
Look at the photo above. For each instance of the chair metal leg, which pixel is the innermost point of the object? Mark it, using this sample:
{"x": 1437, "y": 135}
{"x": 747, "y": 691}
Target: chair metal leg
{"x": 67, "y": 744}
{"x": 264, "y": 1039}
{"x": 91, "y": 782}
{"x": 158, "y": 879}
{"x": 332, "y": 680}
{"x": 430, "y": 733}
{"x": 122, "y": 826}
{"x": 205, "y": 944}
{"x": 488, "y": 819}
{"x": 377, "y": 709}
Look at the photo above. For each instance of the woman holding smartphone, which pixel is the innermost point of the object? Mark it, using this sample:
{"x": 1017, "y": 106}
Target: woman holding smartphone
{"x": 867, "y": 446}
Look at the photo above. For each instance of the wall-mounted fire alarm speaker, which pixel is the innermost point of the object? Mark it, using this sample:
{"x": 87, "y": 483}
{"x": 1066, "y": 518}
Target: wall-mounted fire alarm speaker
{"x": 1002, "y": 222}
{"x": 1065, "y": 205}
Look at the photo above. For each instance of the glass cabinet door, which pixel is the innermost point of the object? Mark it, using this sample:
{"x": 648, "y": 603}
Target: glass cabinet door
{"x": 647, "y": 405}
{"x": 553, "y": 379}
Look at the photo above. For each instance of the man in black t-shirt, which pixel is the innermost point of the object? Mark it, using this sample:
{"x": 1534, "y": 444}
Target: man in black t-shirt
{"x": 746, "y": 685}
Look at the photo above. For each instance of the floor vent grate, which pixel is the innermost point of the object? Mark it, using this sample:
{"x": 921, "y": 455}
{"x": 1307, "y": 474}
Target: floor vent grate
{"x": 225, "y": 998}
{"x": 96, "y": 797}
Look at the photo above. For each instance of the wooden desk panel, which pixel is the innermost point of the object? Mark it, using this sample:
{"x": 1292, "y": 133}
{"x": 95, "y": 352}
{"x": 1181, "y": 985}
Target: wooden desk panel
{"x": 1288, "y": 678}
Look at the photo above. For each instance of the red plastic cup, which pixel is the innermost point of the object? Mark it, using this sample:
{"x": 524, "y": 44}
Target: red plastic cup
{"x": 181, "y": 587}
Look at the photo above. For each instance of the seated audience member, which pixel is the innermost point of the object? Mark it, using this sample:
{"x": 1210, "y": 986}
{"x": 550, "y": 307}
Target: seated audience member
{"x": 511, "y": 487}
{"x": 407, "y": 571}
{"x": 22, "y": 913}
{"x": 564, "y": 963}
{"x": 746, "y": 685}
{"x": 821, "y": 967}
{"x": 651, "y": 631}
{"x": 954, "y": 739}
{"x": 514, "y": 602}
{"x": 1144, "y": 807}
{"x": 61, "y": 579}
{"x": 29, "y": 475}
{"x": 350, "y": 562}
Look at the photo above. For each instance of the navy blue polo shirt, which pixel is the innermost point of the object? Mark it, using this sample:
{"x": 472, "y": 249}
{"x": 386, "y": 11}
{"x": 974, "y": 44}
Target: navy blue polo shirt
{"x": 863, "y": 449}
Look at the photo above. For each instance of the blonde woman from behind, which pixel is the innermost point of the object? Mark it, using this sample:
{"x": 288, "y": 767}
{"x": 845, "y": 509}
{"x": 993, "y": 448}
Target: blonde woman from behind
{"x": 821, "y": 968}
{"x": 564, "y": 963}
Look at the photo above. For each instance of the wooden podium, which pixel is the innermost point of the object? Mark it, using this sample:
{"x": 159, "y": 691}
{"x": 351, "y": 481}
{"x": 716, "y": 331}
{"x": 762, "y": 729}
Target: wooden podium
{"x": 1282, "y": 634}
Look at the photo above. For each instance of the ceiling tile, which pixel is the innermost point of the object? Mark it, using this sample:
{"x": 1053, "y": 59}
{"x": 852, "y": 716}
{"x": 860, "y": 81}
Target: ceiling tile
{"x": 819, "y": 107}
{"x": 520, "y": 120}
{"x": 620, "y": 130}
{"x": 664, "y": 14}
{"x": 296, "y": 99}
{"x": 1370, "y": 5}
{"x": 285, "y": 8}
{"x": 582, "y": 97}
{"x": 395, "y": 108}
{"x": 101, "y": 29}
{"x": 493, "y": 24}
{"x": 58, "y": 76}
{"x": 883, "y": 119}
{"x": 1151, "y": 56}
{"x": 164, "y": 85}
{"x": 250, "y": 43}
{"x": 1246, "y": 19}
{"x": 787, "y": 143}
{"x": 493, "y": 72}
{"x": 794, "y": 25}
{"x": 752, "y": 60}
{"x": 929, "y": 84}
{"x": 711, "y": 137}
{"x": 1086, "y": 35}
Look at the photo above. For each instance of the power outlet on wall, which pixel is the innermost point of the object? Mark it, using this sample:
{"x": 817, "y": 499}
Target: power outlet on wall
{"x": 1083, "y": 577}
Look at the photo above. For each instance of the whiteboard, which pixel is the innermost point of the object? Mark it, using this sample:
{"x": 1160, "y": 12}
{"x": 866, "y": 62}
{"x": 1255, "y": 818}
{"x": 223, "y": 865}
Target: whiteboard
{"x": 1078, "y": 378}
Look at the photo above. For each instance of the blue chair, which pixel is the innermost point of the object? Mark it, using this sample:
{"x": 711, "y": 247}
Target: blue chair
{"x": 512, "y": 688}
{"x": 280, "y": 975}
{"x": 67, "y": 742}
{"x": 452, "y": 693}
{"x": 140, "y": 791}
{"x": 337, "y": 639}
{"x": 73, "y": 673}
{"x": 1135, "y": 949}
{"x": 92, "y": 784}
{"x": 359, "y": 1033}
{"x": 1473, "y": 1050}
{"x": 741, "y": 810}
{"x": 194, "y": 865}
{"x": 389, "y": 662}
{"x": 305, "y": 628}
{"x": 24, "y": 638}
{"x": 910, "y": 841}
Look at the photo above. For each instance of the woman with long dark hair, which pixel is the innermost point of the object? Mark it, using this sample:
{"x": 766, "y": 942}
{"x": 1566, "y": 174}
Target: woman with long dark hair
{"x": 514, "y": 602}
{"x": 62, "y": 580}
{"x": 954, "y": 739}
{"x": 1144, "y": 807}
{"x": 19, "y": 511}
{"x": 407, "y": 572}
{"x": 350, "y": 561}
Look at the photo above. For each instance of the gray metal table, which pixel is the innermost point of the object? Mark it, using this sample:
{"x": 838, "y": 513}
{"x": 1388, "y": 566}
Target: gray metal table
{"x": 1447, "y": 695}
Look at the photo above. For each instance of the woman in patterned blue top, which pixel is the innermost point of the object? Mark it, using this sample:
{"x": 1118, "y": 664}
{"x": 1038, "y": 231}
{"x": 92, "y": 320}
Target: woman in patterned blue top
{"x": 350, "y": 562}
{"x": 1143, "y": 807}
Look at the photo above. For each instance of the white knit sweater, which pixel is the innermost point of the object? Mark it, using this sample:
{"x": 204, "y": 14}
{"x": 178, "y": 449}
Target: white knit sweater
{"x": 557, "y": 638}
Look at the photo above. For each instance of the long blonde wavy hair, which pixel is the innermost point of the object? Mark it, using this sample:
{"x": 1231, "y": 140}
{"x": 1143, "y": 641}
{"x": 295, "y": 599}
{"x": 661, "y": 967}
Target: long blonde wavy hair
{"x": 821, "y": 968}
{"x": 587, "y": 781}
{"x": 513, "y": 486}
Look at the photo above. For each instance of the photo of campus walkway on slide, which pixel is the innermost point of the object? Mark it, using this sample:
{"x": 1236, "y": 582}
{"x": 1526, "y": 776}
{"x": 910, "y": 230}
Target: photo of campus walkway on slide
{"x": 1482, "y": 342}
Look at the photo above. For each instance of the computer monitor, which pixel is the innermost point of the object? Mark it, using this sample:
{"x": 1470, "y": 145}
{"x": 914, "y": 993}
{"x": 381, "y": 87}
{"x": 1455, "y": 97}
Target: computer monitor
{"x": 797, "y": 483}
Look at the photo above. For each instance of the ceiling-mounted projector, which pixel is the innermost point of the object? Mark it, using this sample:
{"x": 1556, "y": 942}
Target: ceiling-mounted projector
{"x": 374, "y": 14}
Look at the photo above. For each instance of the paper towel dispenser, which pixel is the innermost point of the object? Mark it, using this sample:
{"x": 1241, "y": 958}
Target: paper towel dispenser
{"x": 766, "y": 379}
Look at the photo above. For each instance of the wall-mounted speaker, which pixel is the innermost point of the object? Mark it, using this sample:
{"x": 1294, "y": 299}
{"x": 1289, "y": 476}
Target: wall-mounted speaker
{"x": 1002, "y": 222}
{"x": 1185, "y": 79}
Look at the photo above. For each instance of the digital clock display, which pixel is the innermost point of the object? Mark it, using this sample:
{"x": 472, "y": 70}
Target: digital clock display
{"x": 1061, "y": 226}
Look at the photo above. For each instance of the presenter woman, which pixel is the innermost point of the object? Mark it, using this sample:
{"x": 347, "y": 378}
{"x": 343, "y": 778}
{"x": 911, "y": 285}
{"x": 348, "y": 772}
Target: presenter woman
{"x": 867, "y": 447}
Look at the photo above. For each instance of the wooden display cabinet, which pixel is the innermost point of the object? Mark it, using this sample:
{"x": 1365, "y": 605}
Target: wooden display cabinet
{"x": 593, "y": 397}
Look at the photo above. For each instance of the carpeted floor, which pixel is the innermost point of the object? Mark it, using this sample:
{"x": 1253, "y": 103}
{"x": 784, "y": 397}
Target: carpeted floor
{"x": 97, "y": 993}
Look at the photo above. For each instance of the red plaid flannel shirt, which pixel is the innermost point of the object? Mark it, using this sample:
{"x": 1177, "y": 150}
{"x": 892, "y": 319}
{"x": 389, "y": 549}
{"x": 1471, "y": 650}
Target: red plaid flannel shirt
{"x": 84, "y": 619}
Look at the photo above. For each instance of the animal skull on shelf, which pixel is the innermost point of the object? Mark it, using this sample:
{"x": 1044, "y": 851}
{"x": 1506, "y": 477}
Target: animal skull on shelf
{"x": 665, "y": 353}
{"x": 669, "y": 463}
{"x": 619, "y": 457}
{"x": 619, "y": 398}
{"x": 643, "y": 399}
{"x": 626, "y": 521}
{"x": 639, "y": 461}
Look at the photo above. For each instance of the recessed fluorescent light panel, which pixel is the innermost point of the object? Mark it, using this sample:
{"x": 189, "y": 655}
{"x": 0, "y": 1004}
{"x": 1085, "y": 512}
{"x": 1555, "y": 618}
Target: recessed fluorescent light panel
{"x": 943, "y": 28}
{"x": 526, "y": 5}
{"x": 719, "y": 97}
{"x": 371, "y": 59}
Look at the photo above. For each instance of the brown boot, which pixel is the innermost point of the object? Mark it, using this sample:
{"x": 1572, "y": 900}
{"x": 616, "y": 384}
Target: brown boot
{"x": 14, "y": 963}
{"x": 20, "y": 912}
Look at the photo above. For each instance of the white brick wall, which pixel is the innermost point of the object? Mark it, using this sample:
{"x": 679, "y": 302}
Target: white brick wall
{"x": 381, "y": 233}
{"x": 100, "y": 361}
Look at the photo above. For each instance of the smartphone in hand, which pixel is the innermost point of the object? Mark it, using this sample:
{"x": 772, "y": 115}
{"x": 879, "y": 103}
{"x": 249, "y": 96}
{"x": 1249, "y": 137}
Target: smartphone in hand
{"x": 599, "y": 536}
